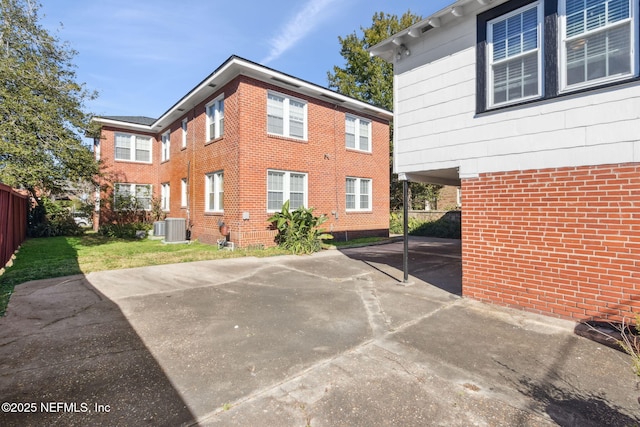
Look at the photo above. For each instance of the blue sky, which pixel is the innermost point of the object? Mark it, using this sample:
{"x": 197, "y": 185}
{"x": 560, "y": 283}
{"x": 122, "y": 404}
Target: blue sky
{"x": 143, "y": 55}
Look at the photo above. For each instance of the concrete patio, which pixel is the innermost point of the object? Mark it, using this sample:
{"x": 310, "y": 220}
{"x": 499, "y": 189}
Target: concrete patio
{"x": 332, "y": 339}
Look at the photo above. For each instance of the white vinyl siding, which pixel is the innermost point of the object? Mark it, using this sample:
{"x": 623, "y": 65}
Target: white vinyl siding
{"x": 357, "y": 133}
{"x": 136, "y": 196}
{"x": 215, "y": 119}
{"x": 358, "y": 194}
{"x": 514, "y": 56}
{"x": 286, "y": 116}
{"x": 133, "y": 148}
{"x": 437, "y": 126}
{"x": 597, "y": 41}
{"x": 214, "y": 192}
{"x": 284, "y": 185}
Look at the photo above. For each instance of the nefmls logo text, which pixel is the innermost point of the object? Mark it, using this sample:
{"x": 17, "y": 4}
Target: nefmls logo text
{"x": 64, "y": 407}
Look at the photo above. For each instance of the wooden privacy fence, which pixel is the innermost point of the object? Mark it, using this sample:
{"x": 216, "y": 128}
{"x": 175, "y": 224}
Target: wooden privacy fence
{"x": 13, "y": 222}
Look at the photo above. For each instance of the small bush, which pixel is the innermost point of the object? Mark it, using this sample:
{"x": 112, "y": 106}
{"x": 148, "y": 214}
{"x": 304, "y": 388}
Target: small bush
{"x": 50, "y": 219}
{"x": 443, "y": 227}
{"x": 439, "y": 228}
{"x": 396, "y": 224}
{"x": 298, "y": 231}
{"x": 124, "y": 231}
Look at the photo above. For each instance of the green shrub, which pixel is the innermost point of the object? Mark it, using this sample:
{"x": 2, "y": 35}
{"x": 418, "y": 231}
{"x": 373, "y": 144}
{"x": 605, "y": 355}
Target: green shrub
{"x": 396, "y": 225}
{"x": 298, "y": 231}
{"x": 124, "y": 231}
{"x": 442, "y": 227}
{"x": 438, "y": 228}
{"x": 51, "y": 219}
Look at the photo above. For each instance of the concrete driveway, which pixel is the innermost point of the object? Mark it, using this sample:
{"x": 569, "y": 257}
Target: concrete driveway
{"x": 332, "y": 339}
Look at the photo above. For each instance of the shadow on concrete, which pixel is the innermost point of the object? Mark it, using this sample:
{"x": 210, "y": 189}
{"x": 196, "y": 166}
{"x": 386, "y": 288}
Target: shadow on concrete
{"x": 564, "y": 402}
{"x": 70, "y": 357}
{"x": 433, "y": 260}
{"x": 574, "y": 408}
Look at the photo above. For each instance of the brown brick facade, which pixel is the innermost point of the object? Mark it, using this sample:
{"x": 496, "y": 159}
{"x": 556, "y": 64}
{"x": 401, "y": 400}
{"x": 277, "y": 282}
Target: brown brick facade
{"x": 246, "y": 152}
{"x": 562, "y": 242}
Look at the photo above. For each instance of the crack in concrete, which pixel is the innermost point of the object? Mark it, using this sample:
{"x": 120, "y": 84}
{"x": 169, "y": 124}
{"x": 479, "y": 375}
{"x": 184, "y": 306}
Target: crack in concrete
{"x": 281, "y": 387}
{"x": 378, "y": 321}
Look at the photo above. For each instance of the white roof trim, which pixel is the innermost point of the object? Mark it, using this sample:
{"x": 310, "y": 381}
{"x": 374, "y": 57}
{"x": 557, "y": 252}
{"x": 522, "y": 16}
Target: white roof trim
{"x": 122, "y": 124}
{"x": 386, "y": 48}
{"x": 234, "y": 67}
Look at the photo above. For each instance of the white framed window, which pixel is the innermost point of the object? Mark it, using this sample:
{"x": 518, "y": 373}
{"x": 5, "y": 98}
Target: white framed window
{"x": 133, "y": 148}
{"x": 214, "y": 189}
{"x": 185, "y": 124}
{"x": 597, "y": 41}
{"x": 286, "y": 116}
{"x": 131, "y": 196}
{"x": 357, "y": 133}
{"x": 165, "y": 195}
{"x": 166, "y": 145}
{"x": 358, "y": 194}
{"x": 183, "y": 192}
{"x": 283, "y": 186}
{"x": 215, "y": 118}
{"x": 514, "y": 56}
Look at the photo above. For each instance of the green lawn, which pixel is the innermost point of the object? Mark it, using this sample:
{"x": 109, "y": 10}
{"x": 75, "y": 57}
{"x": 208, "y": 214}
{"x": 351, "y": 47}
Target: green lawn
{"x": 49, "y": 257}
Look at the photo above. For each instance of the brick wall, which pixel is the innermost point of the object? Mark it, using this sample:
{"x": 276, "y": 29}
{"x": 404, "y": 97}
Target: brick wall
{"x": 117, "y": 171}
{"x": 246, "y": 152}
{"x": 562, "y": 242}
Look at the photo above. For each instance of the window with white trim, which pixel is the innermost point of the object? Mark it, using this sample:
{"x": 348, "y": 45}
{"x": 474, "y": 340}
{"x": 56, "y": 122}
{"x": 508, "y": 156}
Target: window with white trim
{"x": 286, "y": 116}
{"x": 597, "y": 41}
{"x": 131, "y": 196}
{"x": 515, "y": 56}
{"x": 214, "y": 192}
{"x": 183, "y": 192}
{"x": 283, "y": 186}
{"x": 133, "y": 148}
{"x": 166, "y": 145}
{"x": 357, "y": 133}
{"x": 358, "y": 194}
{"x": 215, "y": 118}
{"x": 185, "y": 123}
{"x": 580, "y": 45}
{"x": 165, "y": 196}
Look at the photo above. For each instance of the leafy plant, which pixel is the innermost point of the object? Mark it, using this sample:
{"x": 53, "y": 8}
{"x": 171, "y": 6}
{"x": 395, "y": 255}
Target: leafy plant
{"x": 124, "y": 231}
{"x": 442, "y": 227}
{"x": 49, "y": 219}
{"x": 396, "y": 223}
{"x": 124, "y": 215}
{"x": 298, "y": 230}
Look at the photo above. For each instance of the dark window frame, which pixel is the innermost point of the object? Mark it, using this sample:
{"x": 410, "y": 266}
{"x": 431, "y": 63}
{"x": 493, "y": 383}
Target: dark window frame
{"x": 550, "y": 61}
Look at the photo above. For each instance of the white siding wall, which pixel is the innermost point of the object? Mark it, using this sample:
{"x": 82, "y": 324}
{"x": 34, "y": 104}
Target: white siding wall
{"x": 436, "y": 126}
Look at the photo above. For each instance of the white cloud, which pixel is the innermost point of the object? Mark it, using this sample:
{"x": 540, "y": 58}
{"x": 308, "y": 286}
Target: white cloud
{"x": 313, "y": 12}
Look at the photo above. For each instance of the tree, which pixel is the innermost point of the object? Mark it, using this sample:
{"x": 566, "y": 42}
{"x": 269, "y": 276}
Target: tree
{"x": 42, "y": 118}
{"x": 370, "y": 79}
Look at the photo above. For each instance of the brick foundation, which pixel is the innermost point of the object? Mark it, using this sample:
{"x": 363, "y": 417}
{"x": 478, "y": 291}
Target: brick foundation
{"x": 562, "y": 242}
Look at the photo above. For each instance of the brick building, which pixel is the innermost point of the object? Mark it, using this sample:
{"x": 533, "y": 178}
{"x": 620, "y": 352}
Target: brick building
{"x": 243, "y": 141}
{"x": 532, "y": 108}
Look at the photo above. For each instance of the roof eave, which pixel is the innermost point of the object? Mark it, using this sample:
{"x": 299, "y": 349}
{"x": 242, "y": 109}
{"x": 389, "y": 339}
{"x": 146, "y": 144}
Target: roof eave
{"x": 233, "y": 67}
{"x": 122, "y": 124}
{"x": 236, "y": 66}
{"x": 387, "y": 48}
